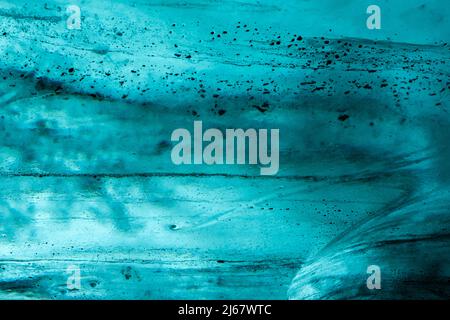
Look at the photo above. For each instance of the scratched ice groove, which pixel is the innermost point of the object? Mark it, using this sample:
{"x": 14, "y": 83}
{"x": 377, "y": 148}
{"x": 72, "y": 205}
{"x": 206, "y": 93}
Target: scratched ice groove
{"x": 86, "y": 177}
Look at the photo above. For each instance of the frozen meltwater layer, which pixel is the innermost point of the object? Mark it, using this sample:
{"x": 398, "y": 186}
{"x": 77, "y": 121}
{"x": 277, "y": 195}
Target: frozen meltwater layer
{"x": 86, "y": 178}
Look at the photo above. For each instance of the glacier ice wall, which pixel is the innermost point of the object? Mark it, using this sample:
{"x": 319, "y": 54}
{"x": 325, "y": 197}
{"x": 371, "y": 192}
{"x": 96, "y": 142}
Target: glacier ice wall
{"x": 85, "y": 171}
